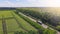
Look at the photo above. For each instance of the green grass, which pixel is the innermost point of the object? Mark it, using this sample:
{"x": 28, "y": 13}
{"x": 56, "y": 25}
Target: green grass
{"x": 25, "y": 24}
{"x": 1, "y": 30}
{"x": 5, "y": 14}
{"x": 12, "y": 26}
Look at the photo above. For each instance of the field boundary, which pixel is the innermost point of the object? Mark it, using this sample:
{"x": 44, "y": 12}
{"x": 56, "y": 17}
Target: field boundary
{"x": 19, "y": 23}
{"x": 4, "y": 26}
{"x": 7, "y": 18}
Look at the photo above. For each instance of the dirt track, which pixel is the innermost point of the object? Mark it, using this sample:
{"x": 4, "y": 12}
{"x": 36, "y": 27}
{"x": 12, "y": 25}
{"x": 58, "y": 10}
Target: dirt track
{"x": 4, "y": 26}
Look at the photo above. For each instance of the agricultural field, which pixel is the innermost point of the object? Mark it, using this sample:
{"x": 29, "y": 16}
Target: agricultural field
{"x": 1, "y": 30}
{"x": 10, "y": 23}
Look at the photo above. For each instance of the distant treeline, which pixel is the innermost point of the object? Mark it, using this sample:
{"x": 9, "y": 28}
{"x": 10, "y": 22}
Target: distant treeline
{"x": 45, "y": 17}
{"x": 7, "y": 8}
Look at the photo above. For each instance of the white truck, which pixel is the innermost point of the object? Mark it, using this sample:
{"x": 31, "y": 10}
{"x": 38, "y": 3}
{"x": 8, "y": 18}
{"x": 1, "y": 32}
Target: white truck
{"x": 40, "y": 22}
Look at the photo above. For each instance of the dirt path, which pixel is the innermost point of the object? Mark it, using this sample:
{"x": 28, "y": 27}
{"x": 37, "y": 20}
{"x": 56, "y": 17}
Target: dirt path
{"x": 4, "y": 26}
{"x": 43, "y": 25}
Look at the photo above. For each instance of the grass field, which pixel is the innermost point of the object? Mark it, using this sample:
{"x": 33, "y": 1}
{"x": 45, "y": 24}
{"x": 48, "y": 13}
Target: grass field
{"x": 13, "y": 23}
{"x": 27, "y": 26}
{"x": 12, "y": 26}
{"x": 1, "y": 30}
{"x": 5, "y": 14}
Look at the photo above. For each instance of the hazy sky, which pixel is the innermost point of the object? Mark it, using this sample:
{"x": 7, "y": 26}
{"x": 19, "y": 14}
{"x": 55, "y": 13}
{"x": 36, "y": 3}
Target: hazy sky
{"x": 29, "y": 3}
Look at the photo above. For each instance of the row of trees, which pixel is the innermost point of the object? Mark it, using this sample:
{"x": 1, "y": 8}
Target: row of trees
{"x": 40, "y": 29}
{"x": 45, "y": 17}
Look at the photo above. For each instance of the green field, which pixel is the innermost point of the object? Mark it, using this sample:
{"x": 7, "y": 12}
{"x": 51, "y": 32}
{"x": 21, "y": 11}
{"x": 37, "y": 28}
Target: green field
{"x": 1, "y": 30}
{"x": 14, "y": 23}
{"x": 12, "y": 26}
{"x": 27, "y": 26}
{"x": 5, "y": 14}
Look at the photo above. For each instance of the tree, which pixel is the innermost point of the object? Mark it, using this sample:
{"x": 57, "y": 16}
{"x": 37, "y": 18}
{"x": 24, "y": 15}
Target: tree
{"x": 58, "y": 27}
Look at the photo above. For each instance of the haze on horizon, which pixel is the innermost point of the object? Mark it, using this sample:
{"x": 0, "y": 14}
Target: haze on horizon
{"x": 29, "y": 3}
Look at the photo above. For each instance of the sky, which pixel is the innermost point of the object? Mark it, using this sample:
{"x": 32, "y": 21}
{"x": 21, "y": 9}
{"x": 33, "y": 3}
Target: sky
{"x": 29, "y": 3}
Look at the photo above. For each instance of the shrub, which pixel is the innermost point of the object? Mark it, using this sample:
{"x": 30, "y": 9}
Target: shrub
{"x": 58, "y": 28}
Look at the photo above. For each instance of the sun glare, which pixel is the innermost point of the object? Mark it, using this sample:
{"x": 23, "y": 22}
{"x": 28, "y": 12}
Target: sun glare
{"x": 53, "y": 3}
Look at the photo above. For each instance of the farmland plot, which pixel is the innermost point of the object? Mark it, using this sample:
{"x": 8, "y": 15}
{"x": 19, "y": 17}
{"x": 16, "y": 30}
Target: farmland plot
{"x": 10, "y": 24}
{"x": 1, "y": 30}
{"x": 5, "y": 14}
{"x": 25, "y": 24}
